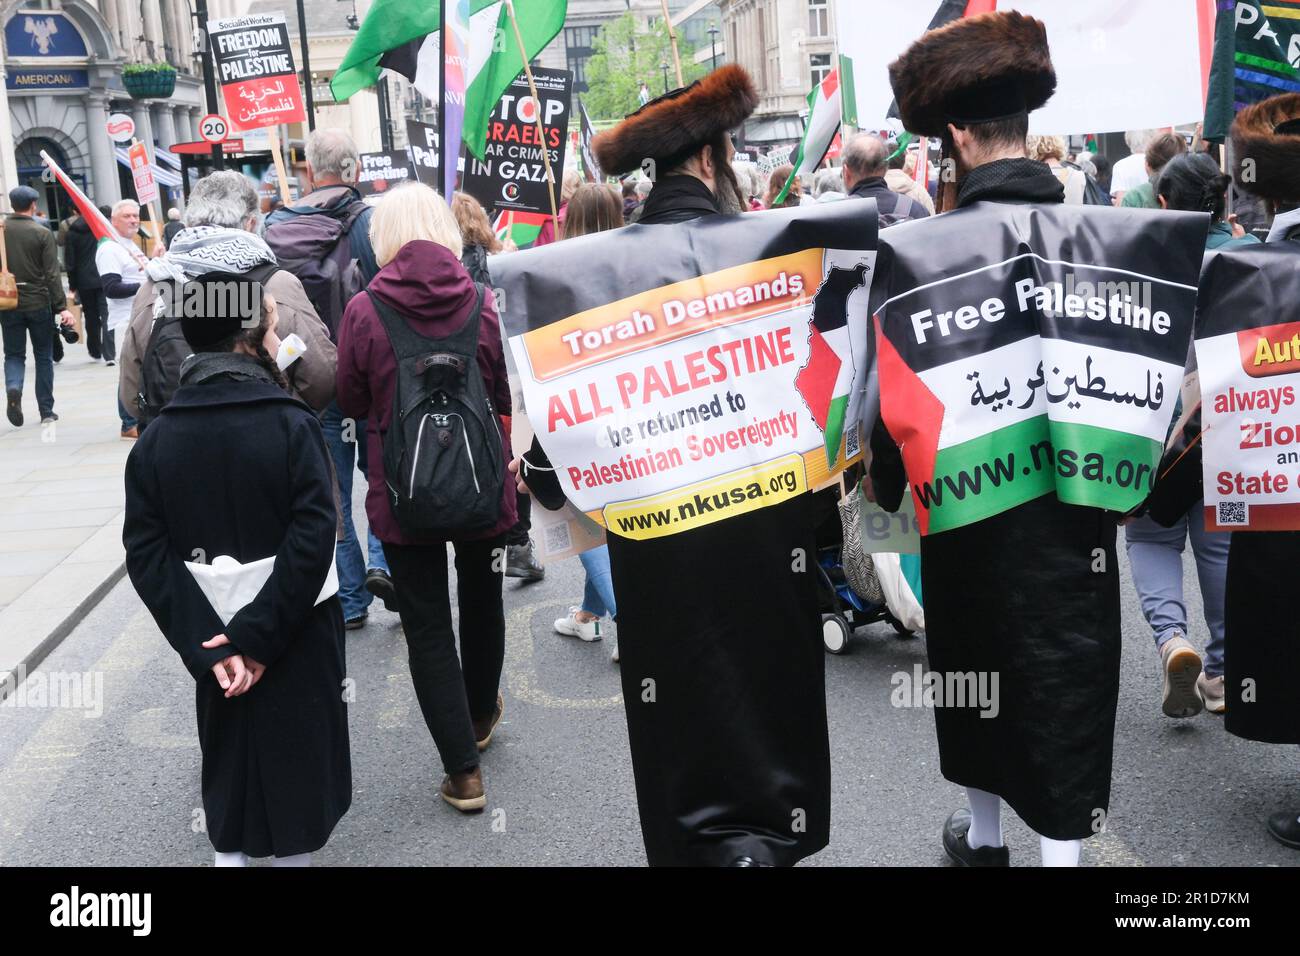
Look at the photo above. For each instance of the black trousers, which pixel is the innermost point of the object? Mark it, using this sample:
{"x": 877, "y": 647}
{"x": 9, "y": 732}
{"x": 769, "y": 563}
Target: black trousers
{"x": 451, "y": 692}
{"x": 94, "y": 316}
{"x": 523, "y": 527}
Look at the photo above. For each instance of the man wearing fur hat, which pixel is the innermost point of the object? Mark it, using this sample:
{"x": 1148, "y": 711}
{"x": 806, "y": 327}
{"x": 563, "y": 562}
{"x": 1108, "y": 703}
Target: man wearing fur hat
{"x": 1262, "y": 630}
{"x": 729, "y": 750}
{"x": 1022, "y": 594}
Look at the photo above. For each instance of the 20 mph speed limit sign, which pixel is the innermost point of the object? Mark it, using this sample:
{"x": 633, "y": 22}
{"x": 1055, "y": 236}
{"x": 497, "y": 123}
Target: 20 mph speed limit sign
{"x": 214, "y": 128}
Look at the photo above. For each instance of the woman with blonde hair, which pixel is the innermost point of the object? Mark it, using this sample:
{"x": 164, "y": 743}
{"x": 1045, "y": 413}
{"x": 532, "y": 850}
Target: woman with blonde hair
{"x": 422, "y": 288}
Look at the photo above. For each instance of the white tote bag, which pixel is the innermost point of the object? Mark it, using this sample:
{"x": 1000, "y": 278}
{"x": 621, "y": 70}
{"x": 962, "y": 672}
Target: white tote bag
{"x": 230, "y": 586}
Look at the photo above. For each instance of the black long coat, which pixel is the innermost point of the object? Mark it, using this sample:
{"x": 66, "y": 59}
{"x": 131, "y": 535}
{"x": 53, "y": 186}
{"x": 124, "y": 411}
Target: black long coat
{"x": 723, "y": 669}
{"x": 1031, "y": 596}
{"x": 1261, "y": 643}
{"x": 241, "y": 469}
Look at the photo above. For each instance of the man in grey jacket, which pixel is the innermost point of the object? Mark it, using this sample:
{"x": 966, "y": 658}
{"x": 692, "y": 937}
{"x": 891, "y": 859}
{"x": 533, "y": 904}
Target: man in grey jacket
{"x": 34, "y": 261}
{"x": 219, "y": 219}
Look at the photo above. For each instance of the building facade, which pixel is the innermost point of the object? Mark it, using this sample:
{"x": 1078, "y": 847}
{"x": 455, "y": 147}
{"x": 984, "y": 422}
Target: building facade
{"x": 63, "y": 65}
{"x": 788, "y": 46}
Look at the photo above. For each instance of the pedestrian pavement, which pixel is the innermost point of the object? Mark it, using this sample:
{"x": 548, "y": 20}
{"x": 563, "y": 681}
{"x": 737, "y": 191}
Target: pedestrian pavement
{"x": 61, "y": 507}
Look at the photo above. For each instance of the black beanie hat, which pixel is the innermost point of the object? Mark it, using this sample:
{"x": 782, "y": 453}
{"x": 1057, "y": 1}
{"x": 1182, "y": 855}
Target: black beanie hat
{"x": 217, "y": 305}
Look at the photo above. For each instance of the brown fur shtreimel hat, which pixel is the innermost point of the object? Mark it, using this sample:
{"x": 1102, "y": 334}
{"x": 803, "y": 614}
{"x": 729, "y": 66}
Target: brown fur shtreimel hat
{"x": 974, "y": 70}
{"x": 669, "y": 129}
{"x": 1266, "y": 148}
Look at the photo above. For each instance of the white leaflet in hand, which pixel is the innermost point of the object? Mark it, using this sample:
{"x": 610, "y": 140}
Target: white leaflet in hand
{"x": 291, "y": 348}
{"x": 229, "y": 586}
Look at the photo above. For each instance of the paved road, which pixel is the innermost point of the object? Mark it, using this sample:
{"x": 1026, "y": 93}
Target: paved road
{"x": 122, "y": 788}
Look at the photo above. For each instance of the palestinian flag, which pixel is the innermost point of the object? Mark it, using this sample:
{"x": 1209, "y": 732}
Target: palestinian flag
{"x": 1023, "y": 366}
{"x": 402, "y": 35}
{"x": 522, "y": 228}
{"x": 829, "y": 105}
{"x": 826, "y": 382}
{"x": 1256, "y": 55}
{"x": 100, "y": 227}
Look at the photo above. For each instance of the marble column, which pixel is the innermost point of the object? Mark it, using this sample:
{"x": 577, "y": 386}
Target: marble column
{"x": 104, "y": 187}
{"x": 108, "y": 9}
{"x": 155, "y": 38}
{"x": 143, "y": 124}
{"x": 164, "y": 126}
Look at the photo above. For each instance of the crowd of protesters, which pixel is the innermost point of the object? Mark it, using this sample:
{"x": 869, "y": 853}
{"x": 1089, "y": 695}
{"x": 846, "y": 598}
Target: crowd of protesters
{"x": 273, "y": 401}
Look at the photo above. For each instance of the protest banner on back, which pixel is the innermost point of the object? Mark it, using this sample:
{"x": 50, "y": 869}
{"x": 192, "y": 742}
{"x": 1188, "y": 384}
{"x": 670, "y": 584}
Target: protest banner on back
{"x": 1042, "y": 353}
{"x": 705, "y": 370}
{"x": 1248, "y": 353}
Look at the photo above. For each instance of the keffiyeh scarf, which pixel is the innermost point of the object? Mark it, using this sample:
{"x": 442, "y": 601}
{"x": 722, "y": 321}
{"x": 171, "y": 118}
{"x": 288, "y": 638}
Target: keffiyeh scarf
{"x": 201, "y": 249}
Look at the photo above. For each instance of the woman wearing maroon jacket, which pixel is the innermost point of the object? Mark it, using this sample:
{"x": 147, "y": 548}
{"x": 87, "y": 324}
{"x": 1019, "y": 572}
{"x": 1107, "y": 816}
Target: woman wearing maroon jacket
{"x": 418, "y": 248}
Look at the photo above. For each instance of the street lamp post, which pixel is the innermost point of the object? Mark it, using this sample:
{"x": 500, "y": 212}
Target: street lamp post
{"x": 200, "y": 14}
{"x": 664, "y": 67}
{"x": 713, "y": 39}
{"x": 306, "y": 68}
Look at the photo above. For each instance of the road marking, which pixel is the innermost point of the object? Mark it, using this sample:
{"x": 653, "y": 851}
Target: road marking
{"x": 521, "y": 677}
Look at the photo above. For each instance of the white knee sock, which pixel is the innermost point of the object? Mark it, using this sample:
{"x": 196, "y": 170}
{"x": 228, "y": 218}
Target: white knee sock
{"x": 230, "y": 859}
{"x": 1060, "y": 852}
{"x": 986, "y": 818}
{"x": 300, "y": 859}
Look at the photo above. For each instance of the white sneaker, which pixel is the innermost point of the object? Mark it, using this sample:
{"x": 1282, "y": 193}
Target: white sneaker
{"x": 614, "y": 657}
{"x": 1182, "y": 666}
{"x": 583, "y": 630}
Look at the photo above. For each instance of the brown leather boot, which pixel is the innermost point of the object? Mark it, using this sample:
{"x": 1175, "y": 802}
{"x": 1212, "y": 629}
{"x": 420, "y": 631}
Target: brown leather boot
{"x": 464, "y": 790}
{"x": 484, "y": 729}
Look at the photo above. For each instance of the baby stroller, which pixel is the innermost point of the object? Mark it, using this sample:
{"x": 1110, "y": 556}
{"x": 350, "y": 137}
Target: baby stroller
{"x": 849, "y": 588}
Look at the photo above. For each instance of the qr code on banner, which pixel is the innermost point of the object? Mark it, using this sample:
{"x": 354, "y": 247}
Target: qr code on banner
{"x": 557, "y": 539}
{"x": 852, "y": 443}
{"x": 1234, "y": 512}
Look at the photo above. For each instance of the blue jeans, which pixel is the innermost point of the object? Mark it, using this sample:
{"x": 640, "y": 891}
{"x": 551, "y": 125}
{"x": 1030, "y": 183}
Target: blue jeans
{"x": 351, "y": 564}
{"x": 127, "y": 421}
{"x": 598, "y": 593}
{"x": 1156, "y": 556}
{"x": 16, "y": 327}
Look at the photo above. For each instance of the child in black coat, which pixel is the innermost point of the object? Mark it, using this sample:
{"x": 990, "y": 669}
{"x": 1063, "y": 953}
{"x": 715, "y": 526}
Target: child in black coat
{"x": 229, "y": 534}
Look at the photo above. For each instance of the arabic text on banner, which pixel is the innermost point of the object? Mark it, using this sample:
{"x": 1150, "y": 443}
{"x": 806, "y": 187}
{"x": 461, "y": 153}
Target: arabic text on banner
{"x": 1042, "y": 353}
{"x": 710, "y": 393}
{"x": 1248, "y": 353}
{"x": 254, "y": 66}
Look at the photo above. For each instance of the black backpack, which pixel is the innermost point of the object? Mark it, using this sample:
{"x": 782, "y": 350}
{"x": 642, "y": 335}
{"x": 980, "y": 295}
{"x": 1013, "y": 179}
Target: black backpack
{"x": 160, "y": 367}
{"x": 315, "y": 247}
{"x": 443, "y": 457}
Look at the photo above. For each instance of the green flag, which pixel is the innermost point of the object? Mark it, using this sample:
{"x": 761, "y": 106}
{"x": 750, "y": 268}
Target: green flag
{"x": 540, "y": 21}
{"x": 388, "y": 25}
{"x": 494, "y": 60}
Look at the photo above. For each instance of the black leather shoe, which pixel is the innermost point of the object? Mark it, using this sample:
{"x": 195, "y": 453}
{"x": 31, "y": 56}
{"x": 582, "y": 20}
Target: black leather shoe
{"x": 381, "y": 586}
{"x": 14, "y": 408}
{"x": 1284, "y": 827}
{"x": 961, "y": 852}
{"x": 356, "y": 623}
